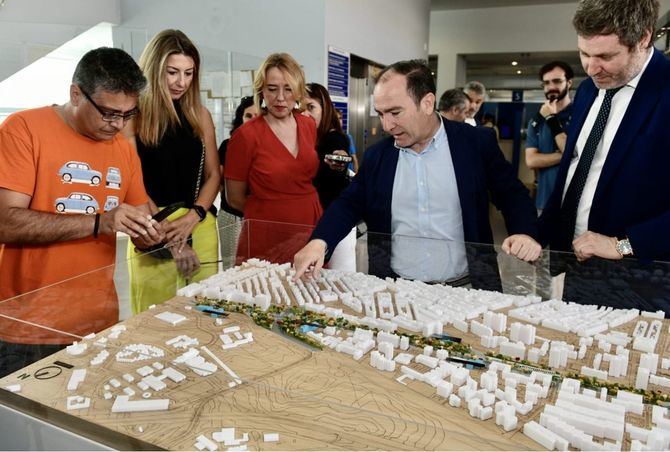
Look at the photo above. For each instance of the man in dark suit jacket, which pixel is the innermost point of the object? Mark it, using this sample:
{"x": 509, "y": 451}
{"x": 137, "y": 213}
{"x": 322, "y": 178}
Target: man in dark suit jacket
{"x": 432, "y": 178}
{"x": 622, "y": 206}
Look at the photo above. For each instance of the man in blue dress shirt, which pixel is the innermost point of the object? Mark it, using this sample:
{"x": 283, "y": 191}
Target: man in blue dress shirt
{"x": 425, "y": 190}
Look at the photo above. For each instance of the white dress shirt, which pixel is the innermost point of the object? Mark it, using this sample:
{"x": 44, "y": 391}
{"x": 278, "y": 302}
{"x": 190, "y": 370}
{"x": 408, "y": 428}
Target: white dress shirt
{"x": 620, "y": 103}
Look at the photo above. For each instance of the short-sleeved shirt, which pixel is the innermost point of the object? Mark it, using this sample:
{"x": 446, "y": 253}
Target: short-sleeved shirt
{"x": 539, "y": 136}
{"x": 280, "y": 186}
{"x": 64, "y": 173}
{"x": 275, "y": 178}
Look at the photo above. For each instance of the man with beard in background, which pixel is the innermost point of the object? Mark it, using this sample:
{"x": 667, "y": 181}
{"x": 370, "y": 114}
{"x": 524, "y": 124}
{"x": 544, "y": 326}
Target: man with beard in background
{"x": 546, "y": 136}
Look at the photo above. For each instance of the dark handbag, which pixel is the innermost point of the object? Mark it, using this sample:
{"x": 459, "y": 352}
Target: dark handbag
{"x": 162, "y": 251}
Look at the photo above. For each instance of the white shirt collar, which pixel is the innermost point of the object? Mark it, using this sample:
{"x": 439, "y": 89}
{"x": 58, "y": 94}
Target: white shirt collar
{"x": 437, "y": 139}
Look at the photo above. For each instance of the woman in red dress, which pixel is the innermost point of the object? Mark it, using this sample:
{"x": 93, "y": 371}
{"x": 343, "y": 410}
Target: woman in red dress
{"x": 270, "y": 164}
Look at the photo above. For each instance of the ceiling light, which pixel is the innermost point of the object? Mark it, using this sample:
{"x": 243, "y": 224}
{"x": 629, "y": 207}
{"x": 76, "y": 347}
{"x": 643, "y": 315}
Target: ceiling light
{"x": 519, "y": 71}
{"x": 514, "y": 63}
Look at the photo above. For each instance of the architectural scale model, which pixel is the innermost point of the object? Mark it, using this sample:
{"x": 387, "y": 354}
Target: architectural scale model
{"x": 384, "y": 364}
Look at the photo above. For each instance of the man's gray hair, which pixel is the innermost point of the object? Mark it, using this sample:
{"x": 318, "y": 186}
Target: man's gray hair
{"x": 475, "y": 87}
{"x": 452, "y": 98}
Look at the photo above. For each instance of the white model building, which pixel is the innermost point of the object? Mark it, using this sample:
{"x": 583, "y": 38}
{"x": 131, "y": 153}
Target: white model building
{"x": 577, "y": 417}
{"x": 649, "y": 361}
{"x": 170, "y": 317}
{"x": 380, "y": 362}
{"x": 496, "y": 321}
{"x": 489, "y": 381}
{"x": 515, "y": 350}
{"x": 388, "y": 306}
{"x": 393, "y": 339}
{"x": 522, "y": 333}
{"x": 618, "y": 365}
{"x": 444, "y": 389}
{"x": 385, "y": 348}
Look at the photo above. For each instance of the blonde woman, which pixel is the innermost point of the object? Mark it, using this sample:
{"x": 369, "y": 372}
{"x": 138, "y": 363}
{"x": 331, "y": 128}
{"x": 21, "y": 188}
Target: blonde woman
{"x": 270, "y": 164}
{"x": 174, "y": 137}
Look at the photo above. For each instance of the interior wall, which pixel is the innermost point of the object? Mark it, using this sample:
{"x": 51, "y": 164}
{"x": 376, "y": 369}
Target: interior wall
{"x": 29, "y": 29}
{"x": 72, "y": 12}
{"x": 383, "y": 31}
{"x": 252, "y": 27}
{"x": 490, "y": 30}
{"x": 539, "y": 28}
{"x": 380, "y": 30}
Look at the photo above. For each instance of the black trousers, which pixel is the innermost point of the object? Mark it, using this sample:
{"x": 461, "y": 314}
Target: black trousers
{"x": 622, "y": 284}
{"x": 17, "y": 356}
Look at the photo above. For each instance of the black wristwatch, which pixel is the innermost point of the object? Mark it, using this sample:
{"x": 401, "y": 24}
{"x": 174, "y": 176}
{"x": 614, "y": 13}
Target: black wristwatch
{"x": 202, "y": 213}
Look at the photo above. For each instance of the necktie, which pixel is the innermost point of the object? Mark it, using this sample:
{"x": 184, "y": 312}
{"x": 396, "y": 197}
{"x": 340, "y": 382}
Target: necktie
{"x": 570, "y": 204}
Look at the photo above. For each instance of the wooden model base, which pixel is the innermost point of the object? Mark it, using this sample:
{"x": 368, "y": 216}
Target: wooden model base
{"x": 313, "y": 399}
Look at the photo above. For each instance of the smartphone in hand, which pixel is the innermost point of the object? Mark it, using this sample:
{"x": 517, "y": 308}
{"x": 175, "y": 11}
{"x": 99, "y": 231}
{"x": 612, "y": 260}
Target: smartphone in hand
{"x": 339, "y": 158}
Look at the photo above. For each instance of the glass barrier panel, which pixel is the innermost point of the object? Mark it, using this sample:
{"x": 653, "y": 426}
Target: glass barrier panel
{"x": 270, "y": 241}
{"x": 59, "y": 314}
{"x": 205, "y": 372}
{"x": 36, "y": 396}
{"x": 478, "y": 353}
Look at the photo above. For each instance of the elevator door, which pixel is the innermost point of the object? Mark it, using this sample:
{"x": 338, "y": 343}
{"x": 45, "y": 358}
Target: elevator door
{"x": 365, "y": 129}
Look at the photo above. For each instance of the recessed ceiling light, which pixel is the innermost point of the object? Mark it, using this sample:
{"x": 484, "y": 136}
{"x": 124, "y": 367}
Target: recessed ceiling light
{"x": 519, "y": 71}
{"x": 514, "y": 63}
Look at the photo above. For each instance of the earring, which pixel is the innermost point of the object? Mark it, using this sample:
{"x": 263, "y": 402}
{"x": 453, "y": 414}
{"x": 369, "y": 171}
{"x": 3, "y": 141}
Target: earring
{"x": 263, "y": 103}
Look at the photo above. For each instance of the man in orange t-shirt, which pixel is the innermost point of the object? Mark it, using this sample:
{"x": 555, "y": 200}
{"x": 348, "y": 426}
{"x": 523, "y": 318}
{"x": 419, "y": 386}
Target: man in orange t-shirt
{"x": 68, "y": 183}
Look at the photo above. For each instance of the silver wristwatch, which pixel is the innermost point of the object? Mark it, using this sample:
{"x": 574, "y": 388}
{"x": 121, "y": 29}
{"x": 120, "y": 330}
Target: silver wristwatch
{"x": 624, "y": 248}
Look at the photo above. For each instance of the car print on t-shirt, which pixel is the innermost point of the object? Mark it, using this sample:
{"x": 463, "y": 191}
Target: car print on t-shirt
{"x": 80, "y": 172}
{"x": 77, "y": 202}
{"x": 113, "y": 178}
{"x": 112, "y": 202}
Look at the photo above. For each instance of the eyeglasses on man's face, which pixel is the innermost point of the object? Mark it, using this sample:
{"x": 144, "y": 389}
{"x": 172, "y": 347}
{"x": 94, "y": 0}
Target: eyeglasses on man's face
{"x": 553, "y": 81}
{"x": 110, "y": 116}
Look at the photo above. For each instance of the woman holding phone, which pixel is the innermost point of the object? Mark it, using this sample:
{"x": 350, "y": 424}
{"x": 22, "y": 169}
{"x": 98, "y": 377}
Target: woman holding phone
{"x": 331, "y": 145}
{"x": 331, "y": 141}
{"x": 174, "y": 137}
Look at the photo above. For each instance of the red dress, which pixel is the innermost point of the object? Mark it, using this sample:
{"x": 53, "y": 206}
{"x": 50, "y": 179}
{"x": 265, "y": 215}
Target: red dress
{"x": 283, "y": 206}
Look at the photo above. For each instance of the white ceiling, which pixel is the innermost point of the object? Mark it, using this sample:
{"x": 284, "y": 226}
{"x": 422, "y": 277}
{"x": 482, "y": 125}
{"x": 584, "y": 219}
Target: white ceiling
{"x": 496, "y": 68}
{"x": 437, "y": 5}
